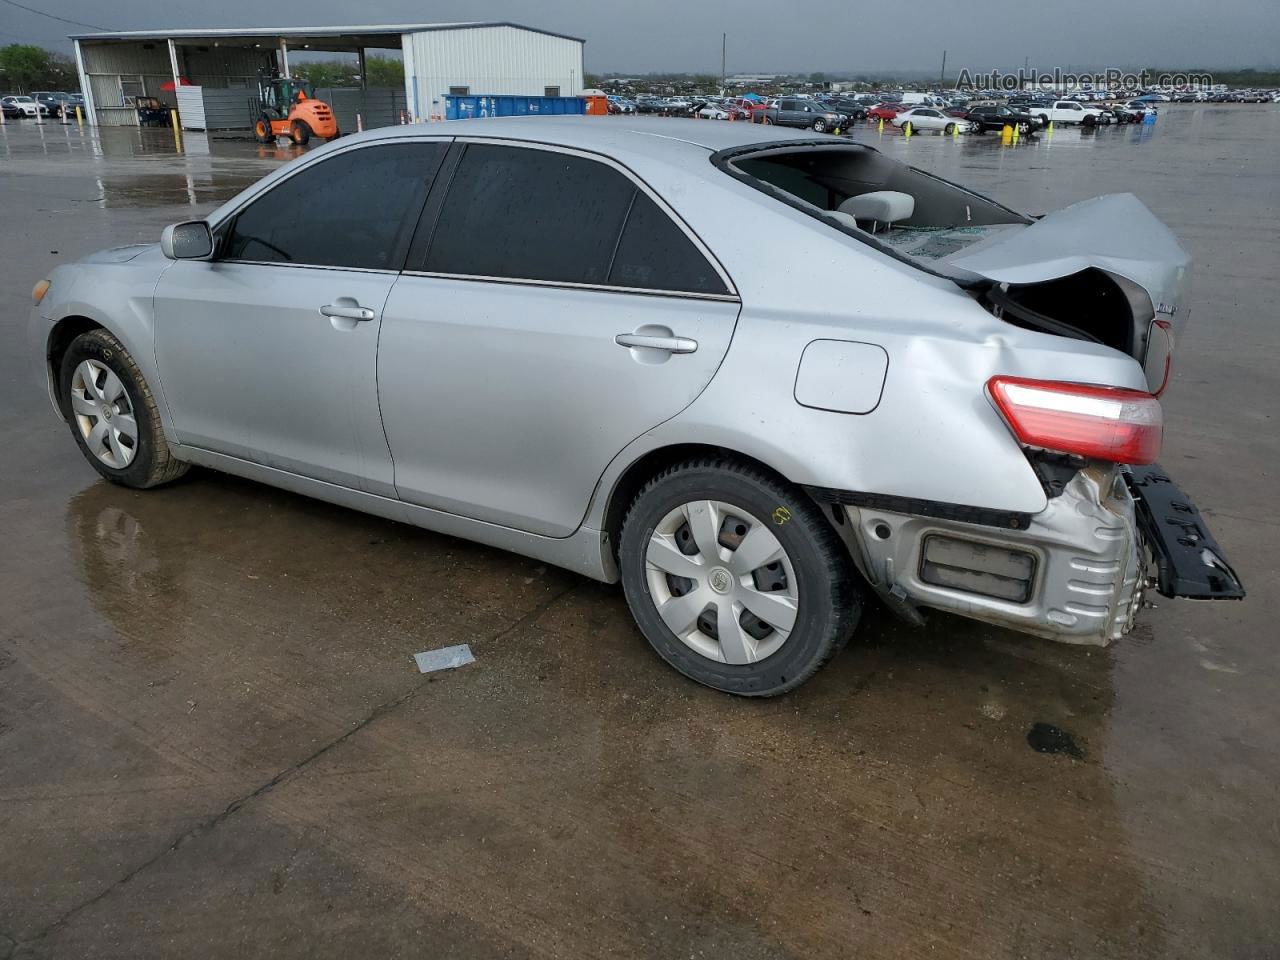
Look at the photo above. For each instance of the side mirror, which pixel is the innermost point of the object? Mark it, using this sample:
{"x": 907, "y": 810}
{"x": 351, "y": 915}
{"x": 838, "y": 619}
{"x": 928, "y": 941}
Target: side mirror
{"x": 191, "y": 240}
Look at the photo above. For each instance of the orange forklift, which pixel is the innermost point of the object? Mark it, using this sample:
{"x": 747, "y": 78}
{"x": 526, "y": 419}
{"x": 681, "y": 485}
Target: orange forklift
{"x": 288, "y": 108}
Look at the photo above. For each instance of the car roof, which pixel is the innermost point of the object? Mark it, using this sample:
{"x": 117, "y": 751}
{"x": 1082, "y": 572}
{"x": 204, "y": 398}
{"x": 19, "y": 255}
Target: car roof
{"x": 614, "y": 136}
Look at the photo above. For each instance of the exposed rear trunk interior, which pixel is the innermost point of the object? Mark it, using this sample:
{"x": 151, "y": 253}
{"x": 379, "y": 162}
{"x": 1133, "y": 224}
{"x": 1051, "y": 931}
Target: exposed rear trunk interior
{"x": 1089, "y": 305}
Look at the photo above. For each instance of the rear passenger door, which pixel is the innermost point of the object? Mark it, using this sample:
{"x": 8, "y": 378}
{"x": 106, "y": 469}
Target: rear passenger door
{"x": 552, "y": 311}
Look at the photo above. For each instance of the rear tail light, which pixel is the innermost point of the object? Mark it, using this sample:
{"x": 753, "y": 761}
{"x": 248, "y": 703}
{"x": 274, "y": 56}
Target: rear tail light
{"x": 1104, "y": 423}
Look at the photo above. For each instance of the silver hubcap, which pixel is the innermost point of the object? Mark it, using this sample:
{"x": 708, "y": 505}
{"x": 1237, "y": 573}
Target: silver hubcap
{"x": 722, "y": 582}
{"x": 103, "y": 414}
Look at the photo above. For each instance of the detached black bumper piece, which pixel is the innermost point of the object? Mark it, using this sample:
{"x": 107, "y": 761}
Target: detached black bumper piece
{"x": 1189, "y": 561}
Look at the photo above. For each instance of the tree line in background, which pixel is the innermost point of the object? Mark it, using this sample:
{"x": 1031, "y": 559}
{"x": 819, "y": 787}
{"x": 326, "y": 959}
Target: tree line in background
{"x": 24, "y": 68}
{"x": 381, "y": 72}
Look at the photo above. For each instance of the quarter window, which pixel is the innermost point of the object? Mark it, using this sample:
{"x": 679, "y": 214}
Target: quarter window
{"x": 352, "y": 210}
{"x": 655, "y": 254}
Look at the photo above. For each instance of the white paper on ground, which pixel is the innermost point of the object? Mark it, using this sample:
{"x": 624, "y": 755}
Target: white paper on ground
{"x": 446, "y": 658}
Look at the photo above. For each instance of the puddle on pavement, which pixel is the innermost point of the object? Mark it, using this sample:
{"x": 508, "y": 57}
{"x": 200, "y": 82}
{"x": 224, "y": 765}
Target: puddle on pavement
{"x": 1046, "y": 738}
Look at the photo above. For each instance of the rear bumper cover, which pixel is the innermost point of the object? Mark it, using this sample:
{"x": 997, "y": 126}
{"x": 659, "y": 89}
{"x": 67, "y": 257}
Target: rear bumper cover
{"x": 1093, "y": 552}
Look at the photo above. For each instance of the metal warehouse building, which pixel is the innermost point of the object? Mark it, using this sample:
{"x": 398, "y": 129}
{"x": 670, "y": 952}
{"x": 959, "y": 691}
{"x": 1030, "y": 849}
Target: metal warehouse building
{"x": 211, "y": 76}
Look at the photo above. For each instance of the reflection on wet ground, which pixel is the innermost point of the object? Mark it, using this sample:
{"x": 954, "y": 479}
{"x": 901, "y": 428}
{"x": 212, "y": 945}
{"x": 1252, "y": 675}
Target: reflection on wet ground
{"x": 213, "y": 739}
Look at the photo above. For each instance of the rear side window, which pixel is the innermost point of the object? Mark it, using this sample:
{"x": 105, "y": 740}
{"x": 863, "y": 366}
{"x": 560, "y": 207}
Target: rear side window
{"x": 352, "y": 210}
{"x": 528, "y": 214}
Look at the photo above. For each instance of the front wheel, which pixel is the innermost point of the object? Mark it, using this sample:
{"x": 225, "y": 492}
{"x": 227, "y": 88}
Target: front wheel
{"x": 112, "y": 413}
{"x": 949, "y": 129}
{"x": 735, "y": 578}
{"x": 819, "y": 125}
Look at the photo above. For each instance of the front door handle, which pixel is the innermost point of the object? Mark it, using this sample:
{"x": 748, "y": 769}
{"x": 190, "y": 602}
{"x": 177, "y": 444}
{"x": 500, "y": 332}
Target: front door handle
{"x": 669, "y": 344}
{"x": 346, "y": 313}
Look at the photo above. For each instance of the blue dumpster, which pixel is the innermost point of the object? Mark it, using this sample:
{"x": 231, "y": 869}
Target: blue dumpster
{"x": 507, "y": 105}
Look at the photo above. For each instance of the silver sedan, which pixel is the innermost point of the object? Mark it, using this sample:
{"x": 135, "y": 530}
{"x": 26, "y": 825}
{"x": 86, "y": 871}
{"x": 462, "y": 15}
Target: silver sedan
{"x": 613, "y": 346}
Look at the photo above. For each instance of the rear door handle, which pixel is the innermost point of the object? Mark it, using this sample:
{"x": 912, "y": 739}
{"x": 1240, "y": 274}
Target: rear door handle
{"x": 669, "y": 344}
{"x": 346, "y": 313}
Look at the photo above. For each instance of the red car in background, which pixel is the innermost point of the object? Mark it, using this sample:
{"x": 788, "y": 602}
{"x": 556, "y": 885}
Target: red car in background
{"x": 884, "y": 111}
{"x": 750, "y": 109}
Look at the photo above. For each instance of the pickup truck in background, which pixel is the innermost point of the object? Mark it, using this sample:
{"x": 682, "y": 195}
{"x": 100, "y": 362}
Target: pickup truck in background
{"x": 1069, "y": 111}
{"x": 809, "y": 114}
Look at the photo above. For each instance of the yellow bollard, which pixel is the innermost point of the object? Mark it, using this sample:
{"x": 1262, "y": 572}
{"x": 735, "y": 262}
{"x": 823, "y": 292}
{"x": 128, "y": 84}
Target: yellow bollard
{"x": 177, "y": 130}
{"x": 1049, "y": 131}
{"x": 79, "y": 116}
{"x": 881, "y": 125}
{"x": 1006, "y": 134}
{"x": 906, "y": 129}
{"x": 955, "y": 130}
{"x": 1015, "y": 134}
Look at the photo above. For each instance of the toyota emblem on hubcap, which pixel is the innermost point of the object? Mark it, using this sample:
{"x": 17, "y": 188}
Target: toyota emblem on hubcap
{"x": 721, "y": 580}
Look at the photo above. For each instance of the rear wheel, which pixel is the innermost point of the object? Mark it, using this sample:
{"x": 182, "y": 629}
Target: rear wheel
{"x": 113, "y": 415}
{"x": 299, "y": 132}
{"x": 735, "y": 578}
{"x": 262, "y": 130}
{"x": 1044, "y": 118}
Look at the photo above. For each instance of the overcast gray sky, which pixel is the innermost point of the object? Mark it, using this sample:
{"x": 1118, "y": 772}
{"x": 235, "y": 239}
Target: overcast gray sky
{"x": 764, "y": 35}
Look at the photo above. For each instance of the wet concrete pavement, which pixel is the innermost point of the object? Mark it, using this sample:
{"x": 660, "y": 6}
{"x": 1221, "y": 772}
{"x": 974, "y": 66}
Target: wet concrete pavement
{"x": 214, "y": 741}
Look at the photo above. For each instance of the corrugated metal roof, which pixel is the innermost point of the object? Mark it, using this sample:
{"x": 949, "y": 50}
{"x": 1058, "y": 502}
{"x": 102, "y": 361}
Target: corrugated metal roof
{"x": 367, "y": 30}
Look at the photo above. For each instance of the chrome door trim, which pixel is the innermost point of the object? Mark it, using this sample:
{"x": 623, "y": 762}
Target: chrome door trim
{"x": 569, "y": 285}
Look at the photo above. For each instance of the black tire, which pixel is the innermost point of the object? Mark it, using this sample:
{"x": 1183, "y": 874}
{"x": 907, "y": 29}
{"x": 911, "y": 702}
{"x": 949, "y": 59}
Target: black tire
{"x": 828, "y": 595}
{"x": 262, "y": 130}
{"x": 1024, "y": 128}
{"x": 819, "y": 126}
{"x": 949, "y": 129}
{"x": 300, "y": 132}
{"x": 1044, "y": 118}
{"x": 152, "y": 463}
{"x": 1090, "y": 121}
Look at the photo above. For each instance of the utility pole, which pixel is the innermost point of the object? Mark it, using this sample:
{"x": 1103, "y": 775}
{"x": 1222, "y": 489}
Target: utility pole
{"x": 942, "y": 75}
{"x": 724, "y": 46}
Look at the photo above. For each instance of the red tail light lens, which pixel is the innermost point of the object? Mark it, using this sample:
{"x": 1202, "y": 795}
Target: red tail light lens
{"x": 1105, "y": 423}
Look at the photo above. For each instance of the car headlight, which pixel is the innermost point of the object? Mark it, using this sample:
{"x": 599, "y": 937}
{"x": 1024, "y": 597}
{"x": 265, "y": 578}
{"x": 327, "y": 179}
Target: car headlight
{"x": 39, "y": 290}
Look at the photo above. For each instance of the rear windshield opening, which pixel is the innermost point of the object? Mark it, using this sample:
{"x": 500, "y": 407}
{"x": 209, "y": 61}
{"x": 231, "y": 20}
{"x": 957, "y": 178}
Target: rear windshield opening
{"x": 943, "y": 220}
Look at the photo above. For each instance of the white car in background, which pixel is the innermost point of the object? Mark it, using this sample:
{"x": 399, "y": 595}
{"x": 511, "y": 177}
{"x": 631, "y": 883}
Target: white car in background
{"x": 929, "y": 118}
{"x": 27, "y": 105}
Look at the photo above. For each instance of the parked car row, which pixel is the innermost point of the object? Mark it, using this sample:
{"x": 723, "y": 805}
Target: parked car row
{"x": 41, "y": 103}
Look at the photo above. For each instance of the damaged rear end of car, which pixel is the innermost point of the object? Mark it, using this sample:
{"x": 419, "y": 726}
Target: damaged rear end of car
{"x": 1106, "y": 281}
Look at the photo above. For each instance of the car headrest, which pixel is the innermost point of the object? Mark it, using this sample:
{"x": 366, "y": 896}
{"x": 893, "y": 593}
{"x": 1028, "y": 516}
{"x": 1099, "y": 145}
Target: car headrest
{"x": 881, "y": 206}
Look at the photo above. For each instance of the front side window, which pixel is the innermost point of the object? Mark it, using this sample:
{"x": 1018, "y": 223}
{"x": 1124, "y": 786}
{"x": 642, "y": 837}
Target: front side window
{"x": 353, "y": 210}
{"x": 527, "y": 214}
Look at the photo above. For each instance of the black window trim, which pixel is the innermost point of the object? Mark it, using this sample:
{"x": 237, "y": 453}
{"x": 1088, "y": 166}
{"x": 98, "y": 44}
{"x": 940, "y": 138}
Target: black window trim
{"x": 420, "y": 245}
{"x": 404, "y": 241}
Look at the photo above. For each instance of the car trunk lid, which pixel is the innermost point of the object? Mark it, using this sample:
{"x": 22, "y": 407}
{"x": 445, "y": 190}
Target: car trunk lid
{"x": 1103, "y": 269}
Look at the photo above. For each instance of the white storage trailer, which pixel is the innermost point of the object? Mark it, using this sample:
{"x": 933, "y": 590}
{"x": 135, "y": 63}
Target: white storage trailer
{"x": 441, "y": 58}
